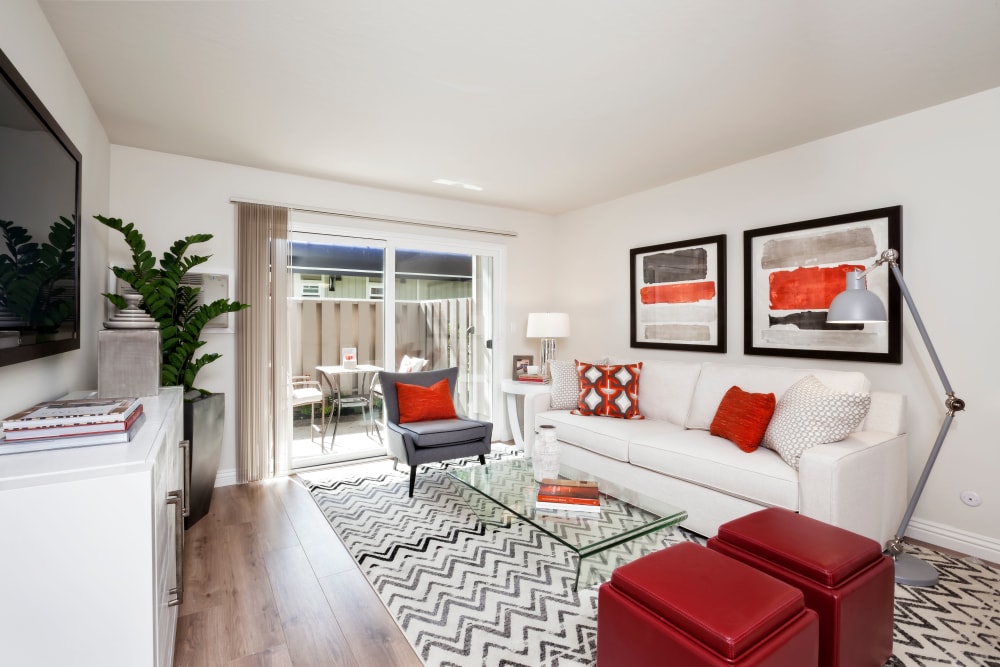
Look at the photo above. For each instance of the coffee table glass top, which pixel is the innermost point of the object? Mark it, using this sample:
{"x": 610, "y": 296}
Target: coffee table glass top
{"x": 625, "y": 515}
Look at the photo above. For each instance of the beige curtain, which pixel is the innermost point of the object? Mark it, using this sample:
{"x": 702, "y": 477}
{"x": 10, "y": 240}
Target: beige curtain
{"x": 263, "y": 410}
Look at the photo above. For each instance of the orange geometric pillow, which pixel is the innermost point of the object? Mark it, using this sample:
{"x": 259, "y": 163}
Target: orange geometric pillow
{"x": 421, "y": 404}
{"x": 742, "y": 418}
{"x": 609, "y": 390}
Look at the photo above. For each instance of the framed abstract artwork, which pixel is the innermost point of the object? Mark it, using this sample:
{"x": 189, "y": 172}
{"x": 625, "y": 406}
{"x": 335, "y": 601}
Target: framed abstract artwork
{"x": 678, "y": 295}
{"x": 792, "y": 272}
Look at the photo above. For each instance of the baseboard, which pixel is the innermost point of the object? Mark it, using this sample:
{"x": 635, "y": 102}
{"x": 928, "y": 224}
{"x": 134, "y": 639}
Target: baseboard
{"x": 226, "y": 478}
{"x": 973, "y": 544}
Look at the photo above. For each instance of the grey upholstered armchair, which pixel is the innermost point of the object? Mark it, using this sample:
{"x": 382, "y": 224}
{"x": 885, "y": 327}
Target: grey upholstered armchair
{"x": 414, "y": 443}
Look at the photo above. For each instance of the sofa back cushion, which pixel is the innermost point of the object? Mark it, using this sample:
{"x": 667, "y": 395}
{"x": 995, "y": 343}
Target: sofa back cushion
{"x": 666, "y": 389}
{"x": 716, "y": 379}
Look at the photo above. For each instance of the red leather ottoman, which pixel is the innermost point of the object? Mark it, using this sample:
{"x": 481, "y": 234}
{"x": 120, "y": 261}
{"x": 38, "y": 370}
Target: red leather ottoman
{"x": 843, "y": 576}
{"x": 687, "y": 606}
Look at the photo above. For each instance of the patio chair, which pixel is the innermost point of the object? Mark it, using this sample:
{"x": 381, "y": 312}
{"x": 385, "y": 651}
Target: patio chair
{"x": 306, "y": 391}
{"x": 434, "y": 440}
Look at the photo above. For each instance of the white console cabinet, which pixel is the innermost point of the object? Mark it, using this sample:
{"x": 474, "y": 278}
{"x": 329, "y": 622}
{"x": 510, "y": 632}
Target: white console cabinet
{"x": 88, "y": 549}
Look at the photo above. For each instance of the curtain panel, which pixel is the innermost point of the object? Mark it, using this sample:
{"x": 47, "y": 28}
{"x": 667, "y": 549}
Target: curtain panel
{"x": 263, "y": 412}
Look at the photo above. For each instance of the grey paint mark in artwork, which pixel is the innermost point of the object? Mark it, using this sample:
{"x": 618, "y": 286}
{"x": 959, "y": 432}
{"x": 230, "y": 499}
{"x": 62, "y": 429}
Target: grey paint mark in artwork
{"x": 691, "y": 333}
{"x": 854, "y": 341}
{"x": 678, "y": 312}
{"x": 679, "y": 265}
{"x": 811, "y": 320}
{"x": 849, "y": 245}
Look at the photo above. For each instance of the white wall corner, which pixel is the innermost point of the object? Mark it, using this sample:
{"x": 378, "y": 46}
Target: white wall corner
{"x": 226, "y": 478}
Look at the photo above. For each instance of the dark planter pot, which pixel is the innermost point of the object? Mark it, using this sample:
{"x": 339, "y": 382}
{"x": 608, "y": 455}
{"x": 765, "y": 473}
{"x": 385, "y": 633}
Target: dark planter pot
{"x": 204, "y": 416}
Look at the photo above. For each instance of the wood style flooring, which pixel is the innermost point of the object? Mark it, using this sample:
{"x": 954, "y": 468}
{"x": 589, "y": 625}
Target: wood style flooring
{"x": 267, "y": 583}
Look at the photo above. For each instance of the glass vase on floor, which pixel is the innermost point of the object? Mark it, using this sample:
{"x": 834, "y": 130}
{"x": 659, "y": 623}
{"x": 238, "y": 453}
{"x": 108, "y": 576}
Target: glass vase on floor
{"x": 545, "y": 454}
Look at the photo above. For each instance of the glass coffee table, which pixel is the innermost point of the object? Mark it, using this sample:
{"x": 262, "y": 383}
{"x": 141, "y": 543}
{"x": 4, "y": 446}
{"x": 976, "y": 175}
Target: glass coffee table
{"x": 625, "y": 515}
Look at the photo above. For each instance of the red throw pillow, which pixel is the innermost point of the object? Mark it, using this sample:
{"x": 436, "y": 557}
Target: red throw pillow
{"x": 609, "y": 391}
{"x": 421, "y": 404}
{"x": 743, "y": 417}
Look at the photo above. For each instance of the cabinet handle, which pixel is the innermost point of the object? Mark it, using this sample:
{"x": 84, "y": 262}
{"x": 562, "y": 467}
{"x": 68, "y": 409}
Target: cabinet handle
{"x": 176, "y": 498}
{"x": 186, "y": 446}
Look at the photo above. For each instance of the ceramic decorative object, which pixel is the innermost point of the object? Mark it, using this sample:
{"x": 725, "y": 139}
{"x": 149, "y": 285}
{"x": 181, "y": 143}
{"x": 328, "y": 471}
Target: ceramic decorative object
{"x": 545, "y": 453}
{"x": 132, "y": 316}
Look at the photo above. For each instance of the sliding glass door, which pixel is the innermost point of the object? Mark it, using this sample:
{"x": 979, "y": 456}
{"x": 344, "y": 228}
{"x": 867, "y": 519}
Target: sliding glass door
{"x": 352, "y": 299}
{"x": 336, "y": 334}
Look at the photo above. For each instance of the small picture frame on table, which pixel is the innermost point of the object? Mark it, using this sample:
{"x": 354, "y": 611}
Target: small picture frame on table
{"x": 521, "y": 363}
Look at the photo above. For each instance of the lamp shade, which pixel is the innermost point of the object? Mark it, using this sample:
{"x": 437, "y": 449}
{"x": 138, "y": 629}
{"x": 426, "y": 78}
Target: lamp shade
{"x": 856, "y": 304}
{"x": 548, "y": 325}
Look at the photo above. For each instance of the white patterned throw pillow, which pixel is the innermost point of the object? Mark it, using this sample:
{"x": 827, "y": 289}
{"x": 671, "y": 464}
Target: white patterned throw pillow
{"x": 811, "y": 414}
{"x": 565, "y": 387}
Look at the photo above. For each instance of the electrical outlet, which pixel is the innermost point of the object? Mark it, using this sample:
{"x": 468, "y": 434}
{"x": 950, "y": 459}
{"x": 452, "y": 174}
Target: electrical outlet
{"x": 971, "y": 498}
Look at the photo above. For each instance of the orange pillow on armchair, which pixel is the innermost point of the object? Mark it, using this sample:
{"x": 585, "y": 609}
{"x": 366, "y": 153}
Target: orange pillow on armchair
{"x": 421, "y": 404}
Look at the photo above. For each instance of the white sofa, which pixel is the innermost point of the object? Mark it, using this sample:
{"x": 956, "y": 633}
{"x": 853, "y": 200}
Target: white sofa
{"x": 858, "y": 483}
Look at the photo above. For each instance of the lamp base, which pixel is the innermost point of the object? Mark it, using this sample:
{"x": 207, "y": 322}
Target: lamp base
{"x": 548, "y": 354}
{"x": 911, "y": 571}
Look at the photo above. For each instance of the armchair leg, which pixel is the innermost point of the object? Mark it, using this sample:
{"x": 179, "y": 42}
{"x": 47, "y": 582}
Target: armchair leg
{"x": 395, "y": 462}
{"x": 482, "y": 459}
{"x": 413, "y": 478}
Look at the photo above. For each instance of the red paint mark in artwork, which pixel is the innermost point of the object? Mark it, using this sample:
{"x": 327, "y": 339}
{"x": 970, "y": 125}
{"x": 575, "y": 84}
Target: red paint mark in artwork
{"x": 679, "y": 293}
{"x": 810, "y": 287}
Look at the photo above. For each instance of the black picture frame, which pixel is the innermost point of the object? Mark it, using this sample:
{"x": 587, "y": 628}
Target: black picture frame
{"x": 678, "y": 295}
{"x": 789, "y": 270}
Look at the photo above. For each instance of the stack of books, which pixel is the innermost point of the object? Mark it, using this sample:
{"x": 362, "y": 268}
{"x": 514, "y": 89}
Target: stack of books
{"x": 568, "y": 494}
{"x": 72, "y": 423}
{"x": 530, "y": 377}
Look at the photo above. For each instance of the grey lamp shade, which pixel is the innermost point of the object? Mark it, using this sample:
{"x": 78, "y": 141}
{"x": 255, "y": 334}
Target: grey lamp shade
{"x": 856, "y": 304}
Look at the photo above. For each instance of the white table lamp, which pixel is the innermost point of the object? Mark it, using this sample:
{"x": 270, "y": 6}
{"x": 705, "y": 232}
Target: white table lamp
{"x": 548, "y": 327}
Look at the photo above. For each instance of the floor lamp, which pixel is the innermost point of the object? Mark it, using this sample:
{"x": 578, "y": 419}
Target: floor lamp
{"x": 857, "y": 305}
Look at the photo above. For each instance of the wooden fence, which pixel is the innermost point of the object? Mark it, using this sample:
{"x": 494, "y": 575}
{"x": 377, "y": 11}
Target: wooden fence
{"x": 439, "y": 331}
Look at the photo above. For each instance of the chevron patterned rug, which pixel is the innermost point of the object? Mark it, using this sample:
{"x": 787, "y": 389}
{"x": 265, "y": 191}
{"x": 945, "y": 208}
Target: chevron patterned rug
{"x": 467, "y": 593}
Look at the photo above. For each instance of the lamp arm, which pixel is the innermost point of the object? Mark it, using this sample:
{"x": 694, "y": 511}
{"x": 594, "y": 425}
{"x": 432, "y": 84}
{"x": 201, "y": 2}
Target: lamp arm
{"x": 894, "y": 267}
{"x": 953, "y": 404}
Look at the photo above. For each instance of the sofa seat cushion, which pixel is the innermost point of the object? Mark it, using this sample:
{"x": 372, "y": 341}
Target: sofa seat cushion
{"x": 716, "y": 379}
{"x": 712, "y": 462}
{"x": 607, "y": 437}
{"x": 444, "y": 432}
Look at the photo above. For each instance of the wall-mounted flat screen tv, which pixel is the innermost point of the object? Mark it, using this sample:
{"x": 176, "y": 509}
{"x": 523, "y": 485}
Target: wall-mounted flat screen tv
{"x": 39, "y": 227}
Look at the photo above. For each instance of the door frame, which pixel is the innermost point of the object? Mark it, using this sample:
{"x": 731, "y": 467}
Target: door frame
{"x": 432, "y": 241}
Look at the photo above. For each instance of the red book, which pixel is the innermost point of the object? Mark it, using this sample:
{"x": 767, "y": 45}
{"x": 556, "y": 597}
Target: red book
{"x": 569, "y": 492}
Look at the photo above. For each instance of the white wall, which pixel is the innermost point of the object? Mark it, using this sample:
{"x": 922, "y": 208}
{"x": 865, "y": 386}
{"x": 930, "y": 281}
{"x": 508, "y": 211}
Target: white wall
{"x": 28, "y": 41}
{"x": 170, "y": 196}
{"x": 942, "y": 165}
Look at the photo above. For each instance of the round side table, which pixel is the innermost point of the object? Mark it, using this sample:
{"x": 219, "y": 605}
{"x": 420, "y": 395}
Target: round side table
{"x": 514, "y": 388}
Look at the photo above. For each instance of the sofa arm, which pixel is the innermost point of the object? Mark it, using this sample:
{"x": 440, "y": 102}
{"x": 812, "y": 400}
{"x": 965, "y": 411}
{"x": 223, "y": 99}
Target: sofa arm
{"x": 858, "y": 484}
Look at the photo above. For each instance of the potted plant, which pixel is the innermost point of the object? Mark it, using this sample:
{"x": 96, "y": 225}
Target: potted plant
{"x": 181, "y": 319}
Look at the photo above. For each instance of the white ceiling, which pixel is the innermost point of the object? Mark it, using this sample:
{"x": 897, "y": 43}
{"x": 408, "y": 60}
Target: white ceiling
{"x": 549, "y": 105}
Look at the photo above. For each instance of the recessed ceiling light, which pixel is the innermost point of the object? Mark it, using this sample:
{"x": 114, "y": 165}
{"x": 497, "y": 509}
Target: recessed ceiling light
{"x": 467, "y": 186}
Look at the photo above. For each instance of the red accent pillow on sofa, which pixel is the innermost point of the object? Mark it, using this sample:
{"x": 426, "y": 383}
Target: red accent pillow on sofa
{"x": 742, "y": 418}
{"x": 421, "y": 404}
{"x": 609, "y": 390}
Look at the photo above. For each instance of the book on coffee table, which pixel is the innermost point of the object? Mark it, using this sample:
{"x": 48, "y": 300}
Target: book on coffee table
{"x": 568, "y": 494}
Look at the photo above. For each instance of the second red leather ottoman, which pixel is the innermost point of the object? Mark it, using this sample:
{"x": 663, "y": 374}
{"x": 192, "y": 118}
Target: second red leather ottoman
{"x": 843, "y": 576}
{"x": 687, "y": 606}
